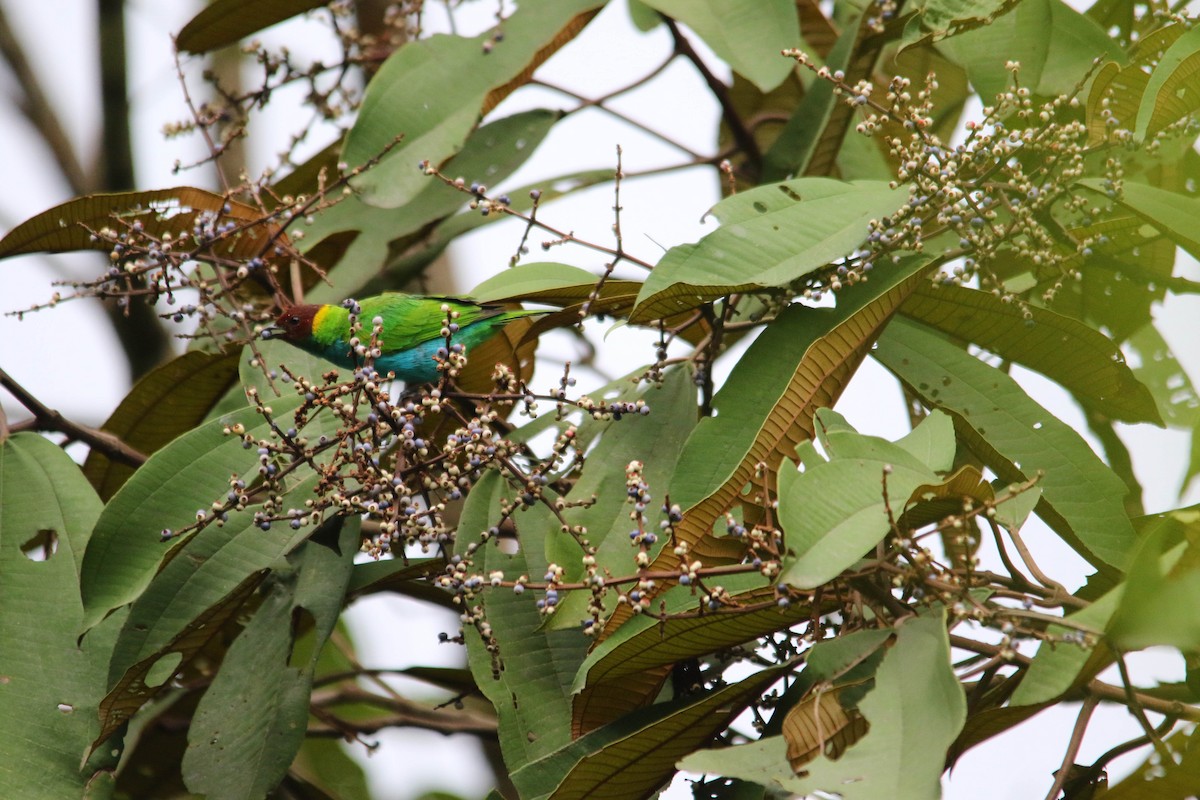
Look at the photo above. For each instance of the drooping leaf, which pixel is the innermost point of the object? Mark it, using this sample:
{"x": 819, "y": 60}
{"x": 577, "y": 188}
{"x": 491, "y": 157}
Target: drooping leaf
{"x": 532, "y": 691}
{"x": 632, "y": 757}
{"x": 1157, "y": 585}
{"x": 68, "y": 227}
{"x": 1167, "y": 211}
{"x": 226, "y": 21}
{"x": 746, "y": 34}
{"x": 50, "y": 685}
{"x": 488, "y": 156}
{"x": 769, "y": 237}
{"x": 890, "y": 761}
{"x": 800, "y": 363}
{"x": 1017, "y": 438}
{"x": 1050, "y": 64}
{"x": 188, "y": 475}
{"x": 1080, "y": 358}
{"x": 833, "y": 513}
{"x": 166, "y": 403}
{"x": 433, "y": 92}
{"x": 1063, "y": 662}
{"x": 1173, "y": 91}
{"x": 252, "y": 719}
{"x": 186, "y": 603}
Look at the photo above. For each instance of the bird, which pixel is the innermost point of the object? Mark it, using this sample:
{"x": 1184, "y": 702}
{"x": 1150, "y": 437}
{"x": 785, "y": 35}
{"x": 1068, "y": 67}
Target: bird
{"x": 414, "y": 330}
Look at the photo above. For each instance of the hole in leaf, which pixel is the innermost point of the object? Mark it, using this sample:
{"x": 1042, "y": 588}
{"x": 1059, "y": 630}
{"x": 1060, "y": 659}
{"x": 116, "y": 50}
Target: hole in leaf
{"x": 41, "y": 545}
{"x": 162, "y": 669}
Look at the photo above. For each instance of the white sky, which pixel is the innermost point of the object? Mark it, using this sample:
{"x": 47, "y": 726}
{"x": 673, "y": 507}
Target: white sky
{"x": 68, "y": 357}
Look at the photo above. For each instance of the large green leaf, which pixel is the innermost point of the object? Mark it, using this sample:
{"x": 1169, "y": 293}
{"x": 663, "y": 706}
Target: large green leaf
{"x": 800, "y": 363}
{"x": 167, "y": 402}
{"x": 655, "y": 441}
{"x": 1083, "y": 360}
{"x": 634, "y": 756}
{"x": 532, "y": 692}
{"x": 50, "y": 686}
{"x": 1173, "y": 91}
{"x": 433, "y": 91}
{"x": 769, "y": 237}
{"x": 1017, "y": 438}
{"x": 913, "y": 723}
{"x": 184, "y": 477}
{"x": 252, "y": 719}
{"x": 186, "y": 602}
{"x": 490, "y": 155}
{"x": 746, "y": 34}
{"x": 1157, "y": 585}
{"x": 834, "y": 512}
{"x": 1054, "y": 44}
{"x": 226, "y": 21}
{"x": 1172, "y": 213}
{"x": 68, "y": 227}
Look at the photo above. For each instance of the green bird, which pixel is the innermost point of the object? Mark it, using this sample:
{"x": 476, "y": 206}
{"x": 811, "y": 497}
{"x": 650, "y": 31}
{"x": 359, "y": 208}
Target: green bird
{"x": 412, "y": 331}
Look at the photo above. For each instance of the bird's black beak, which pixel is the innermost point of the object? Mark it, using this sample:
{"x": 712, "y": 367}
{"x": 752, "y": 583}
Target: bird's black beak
{"x": 271, "y": 332}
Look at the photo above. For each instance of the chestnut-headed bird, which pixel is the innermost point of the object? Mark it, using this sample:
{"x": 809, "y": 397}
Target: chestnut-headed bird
{"x": 414, "y": 330}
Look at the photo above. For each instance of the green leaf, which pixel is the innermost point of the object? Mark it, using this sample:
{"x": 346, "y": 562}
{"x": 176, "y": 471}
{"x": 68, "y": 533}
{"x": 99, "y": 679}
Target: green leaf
{"x": 51, "y": 686}
{"x": 1160, "y": 371}
{"x": 167, "y": 402}
{"x": 1173, "y": 91}
{"x": 491, "y": 154}
{"x": 530, "y": 281}
{"x": 1016, "y": 438}
{"x": 769, "y": 237}
{"x": 126, "y": 549}
{"x": 932, "y": 441}
{"x": 1081, "y": 359}
{"x": 188, "y": 600}
{"x": 746, "y": 34}
{"x": 1158, "y": 778}
{"x": 1159, "y": 584}
{"x": 833, "y": 513}
{"x": 1170, "y": 212}
{"x": 251, "y": 721}
{"x": 433, "y": 91}
{"x": 532, "y": 693}
{"x": 645, "y": 642}
{"x": 891, "y": 761}
{"x": 656, "y": 441}
{"x": 224, "y": 22}
{"x": 935, "y": 20}
{"x": 804, "y": 133}
{"x": 635, "y": 755}
{"x": 1054, "y": 44}
{"x": 68, "y": 227}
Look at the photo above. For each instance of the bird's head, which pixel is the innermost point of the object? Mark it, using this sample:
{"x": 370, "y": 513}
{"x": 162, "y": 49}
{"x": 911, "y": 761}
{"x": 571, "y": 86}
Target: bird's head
{"x": 294, "y": 324}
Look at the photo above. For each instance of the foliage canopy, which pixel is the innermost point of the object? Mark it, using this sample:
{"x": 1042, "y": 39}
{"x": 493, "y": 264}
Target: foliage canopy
{"x": 672, "y": 572}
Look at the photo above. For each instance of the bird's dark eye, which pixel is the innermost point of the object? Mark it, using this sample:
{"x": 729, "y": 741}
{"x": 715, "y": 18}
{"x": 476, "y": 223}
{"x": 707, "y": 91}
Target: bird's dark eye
{"x": 293, "y": 321}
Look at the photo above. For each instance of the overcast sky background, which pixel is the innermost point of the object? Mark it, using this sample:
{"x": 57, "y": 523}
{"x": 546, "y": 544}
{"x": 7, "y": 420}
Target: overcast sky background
{"x": 69, "y": 358}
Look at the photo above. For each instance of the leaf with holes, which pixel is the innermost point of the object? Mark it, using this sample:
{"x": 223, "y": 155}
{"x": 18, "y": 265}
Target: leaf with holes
{"x": 1017, "y": 439}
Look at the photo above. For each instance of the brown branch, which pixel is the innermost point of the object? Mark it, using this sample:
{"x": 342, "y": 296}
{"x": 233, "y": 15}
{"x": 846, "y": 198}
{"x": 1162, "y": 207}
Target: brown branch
{"x": 48, "y": 419}
{"x": 1081, "y": 723}
{"x": 404, "y": 713}
{"x": 741, "y": 134}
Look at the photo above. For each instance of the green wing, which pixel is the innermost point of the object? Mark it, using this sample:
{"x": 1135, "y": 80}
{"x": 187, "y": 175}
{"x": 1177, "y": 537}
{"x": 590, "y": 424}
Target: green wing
{"x": 409, "y": 320}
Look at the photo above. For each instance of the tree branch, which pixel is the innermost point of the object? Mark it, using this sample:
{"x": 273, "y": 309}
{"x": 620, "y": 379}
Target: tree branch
{"x": 48, "y": 419}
